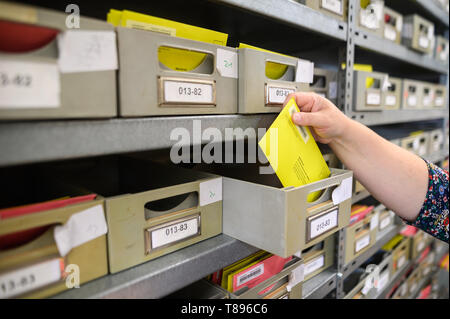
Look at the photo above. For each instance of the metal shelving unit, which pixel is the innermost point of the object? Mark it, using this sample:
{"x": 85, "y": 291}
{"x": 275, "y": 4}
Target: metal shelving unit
{"x": 320, "y": 285}
{"x": 295, "y": 14}
{"x": 370, "y": 41}
{"x": 422, "y": 284}
{"x": 164, "y": 275}
{"x": 29, "y": 142}
{"x": 38, "y": 141}
{"x": 393, "y": 281}
{"x": 434, "y": 10}
{"x": 382, "y": 238}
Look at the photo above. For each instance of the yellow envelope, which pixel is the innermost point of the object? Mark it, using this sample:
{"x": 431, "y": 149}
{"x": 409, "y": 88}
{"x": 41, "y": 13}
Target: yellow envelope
{"x": 292, "y": 152}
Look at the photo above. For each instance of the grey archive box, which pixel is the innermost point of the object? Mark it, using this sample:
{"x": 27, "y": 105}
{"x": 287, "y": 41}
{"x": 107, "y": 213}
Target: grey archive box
{"x": 82, "y": 94}
{"x": 371, "y": 18}
{"x": 325, "y": 84}
{"x": 392, "y": 96}
{"x": 393, "y": 24}
{"x": 440, "y": 96}
{"x": 366, "y": 285}
{"x": 441, "y": 49}
{"x": 333, "y": 8}
{"x": 148, "y": 87}
{"x": 319, "y": 257}
{"x": 418, "y": 33}
{"x": 436, "y": 141}
{"x": 411, "y": 94}
{"x": 259, "y": 211}
{"x": 417, "y": 144}
{"x": 257, "y": 92}
{"x": 151, "y": 209}
{"x": 368, "y": 89}
{"x": 427, "y": 95}
{"x": 274, "y": 287}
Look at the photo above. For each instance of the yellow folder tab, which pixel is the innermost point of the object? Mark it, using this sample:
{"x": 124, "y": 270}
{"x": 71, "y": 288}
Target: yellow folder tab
{"x": 178, "y": 59}
{"x": 364, "y": 68}
{"x": 239, "y": 264}
{"x": 292, "y": 152}
{"x": 274, "y": 70}
{"x": 392, "y": 243}
{"x": 416, "y": 133}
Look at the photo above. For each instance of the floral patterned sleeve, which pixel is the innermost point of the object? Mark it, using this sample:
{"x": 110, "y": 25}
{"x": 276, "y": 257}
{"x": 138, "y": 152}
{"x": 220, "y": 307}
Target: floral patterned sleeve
{"x": 433, "y": 217}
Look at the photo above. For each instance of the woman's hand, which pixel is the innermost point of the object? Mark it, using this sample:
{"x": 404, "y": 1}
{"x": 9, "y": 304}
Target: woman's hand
{"x": 327, "y": 121}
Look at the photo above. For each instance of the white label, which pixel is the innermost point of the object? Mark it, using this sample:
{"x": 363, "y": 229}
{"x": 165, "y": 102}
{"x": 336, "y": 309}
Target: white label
{"x": 391, "y": 100}
{"x": 373, "y": 99}
{"x": 420, "y": 246}
{"x": 384, "y": 279}
{"x": 295, "y": 277}
{"x": 277, "y": 95}
{"x": 211, "y": 191}
{"x": 439, "y": 101}
{"x": 304, "y": 72}
{"x": 401, "y": 262}
{"x": 251, "y": 274}
{"x": 175, "y": 232}
{"x": 314, "y": 264}
{"x": 362, "y": 243}
{"x": 374, "y": 221}
{"x": 385, "y": 222}
{"x": 413, "y": 288}
{"x": 19, "y": 281}
{"x": 412, "y": 100}
{"x": 343, "y": 191}
{"x": 227, "y": 63}
{"x": 333, "y": 5}
{"x": 390, "y": 33}
{"x": 324, "y": 223}
{"x": 85, "y": 51}
{"x": 443, "y": 56}
{"x": 188, "y": 92}
{"x": 80, "y": 228}
{"x": 29, "y": 85}
{"x": 424, "y": 42}
{"x": 426, "y": 271}
{"x": 332, "y": 90}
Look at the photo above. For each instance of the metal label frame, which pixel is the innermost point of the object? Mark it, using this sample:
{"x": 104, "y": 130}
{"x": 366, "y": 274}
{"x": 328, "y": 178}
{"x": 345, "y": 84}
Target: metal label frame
{"x": 373, "y": 92}
{"x": 309, "y": 220}
{"x": 161, "y": 93}
{"x": 148, "y": 232}
{"x": 267, "y": 86}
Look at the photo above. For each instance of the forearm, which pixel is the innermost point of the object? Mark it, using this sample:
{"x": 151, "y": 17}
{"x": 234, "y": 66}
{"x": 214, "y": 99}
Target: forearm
{"x": 394, "y": 176}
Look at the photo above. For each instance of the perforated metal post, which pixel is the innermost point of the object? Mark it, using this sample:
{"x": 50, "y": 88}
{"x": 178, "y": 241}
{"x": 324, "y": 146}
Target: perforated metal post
{"x": 346, "y": 101}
